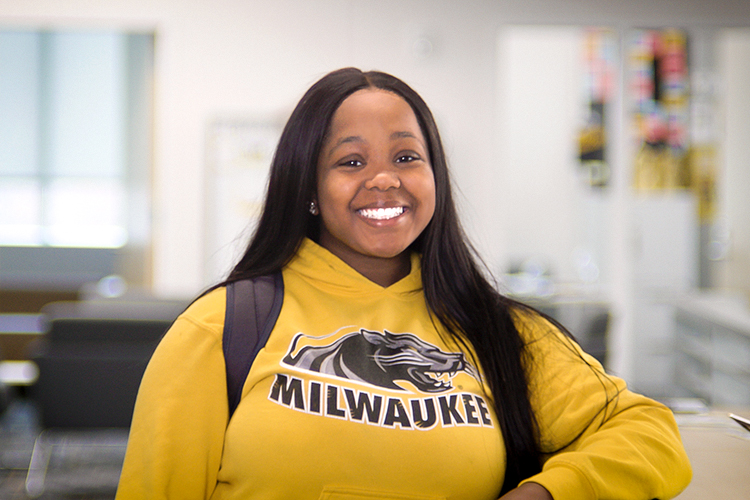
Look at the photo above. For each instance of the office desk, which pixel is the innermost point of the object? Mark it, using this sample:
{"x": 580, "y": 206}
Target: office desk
{"x": 719, "y": 451}
{"x": 17, "y": 331}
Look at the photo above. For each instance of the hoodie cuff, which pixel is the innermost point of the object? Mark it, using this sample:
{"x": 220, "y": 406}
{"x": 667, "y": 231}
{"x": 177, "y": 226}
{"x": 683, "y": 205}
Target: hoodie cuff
{"x": 564, "y": 483}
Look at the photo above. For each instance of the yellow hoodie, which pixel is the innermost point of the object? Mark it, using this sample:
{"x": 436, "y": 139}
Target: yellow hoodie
{"x": 356, "y": 395}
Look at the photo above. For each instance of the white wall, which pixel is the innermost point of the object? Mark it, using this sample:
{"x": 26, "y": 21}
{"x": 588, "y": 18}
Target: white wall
{"x": 734, "y": 182}
{"x": 255, "y": 58}
{"x": 539, "y": 210}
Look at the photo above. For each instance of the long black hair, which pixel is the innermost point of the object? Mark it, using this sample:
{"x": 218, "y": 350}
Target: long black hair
{"x": 457, "y": 292}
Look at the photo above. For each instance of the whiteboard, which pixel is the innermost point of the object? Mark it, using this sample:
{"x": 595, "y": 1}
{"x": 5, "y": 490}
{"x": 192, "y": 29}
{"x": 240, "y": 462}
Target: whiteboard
{"x": 238, "y": 158}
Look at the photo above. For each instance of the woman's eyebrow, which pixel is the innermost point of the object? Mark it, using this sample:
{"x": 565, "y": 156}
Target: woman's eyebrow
{"x": 356, "y": 138}
{"x": 405, "y": 133}
{"x": 345, "y": 140}
{"x": 351, "y": 138}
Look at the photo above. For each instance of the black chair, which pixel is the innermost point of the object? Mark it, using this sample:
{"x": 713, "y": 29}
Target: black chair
{"x": 90, "y": 370}
{"x": 91, "y": 361}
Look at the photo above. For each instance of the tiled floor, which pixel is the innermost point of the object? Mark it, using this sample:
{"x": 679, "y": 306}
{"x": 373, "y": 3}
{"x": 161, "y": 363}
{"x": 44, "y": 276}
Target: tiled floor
{"x": 76, "y": 465}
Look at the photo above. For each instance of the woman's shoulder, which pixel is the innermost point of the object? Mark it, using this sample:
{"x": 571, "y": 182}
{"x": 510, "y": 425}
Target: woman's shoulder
{"x": 206, "y": 312}
{"x": 532, "y": 325}
{"x": 545, "y": 339}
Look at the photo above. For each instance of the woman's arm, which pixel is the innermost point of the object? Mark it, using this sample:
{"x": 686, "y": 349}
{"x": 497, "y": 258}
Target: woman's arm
{"x": 601, "y": 440}
{"x": 177, "y": 435}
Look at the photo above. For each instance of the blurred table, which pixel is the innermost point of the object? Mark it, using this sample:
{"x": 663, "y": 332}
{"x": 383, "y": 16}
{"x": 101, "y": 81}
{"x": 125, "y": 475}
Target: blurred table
{"x": 719, "y": 451}
{"x": 17, "y": 331}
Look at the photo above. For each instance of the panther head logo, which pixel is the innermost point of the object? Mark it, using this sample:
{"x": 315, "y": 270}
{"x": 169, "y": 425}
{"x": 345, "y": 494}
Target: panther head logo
{"x": 381, "y": 359}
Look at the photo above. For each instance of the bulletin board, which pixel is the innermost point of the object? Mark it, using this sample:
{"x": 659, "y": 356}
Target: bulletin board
{"x": 658, "y": 79}
{"x": 599, "y": 74}
{"x": 238, "y": 158}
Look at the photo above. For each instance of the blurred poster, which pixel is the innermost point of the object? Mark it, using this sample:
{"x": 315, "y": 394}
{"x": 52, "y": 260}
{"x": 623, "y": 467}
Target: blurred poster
{"x": 658, "y": 88}
{"x": 703, "y": 172}
{"x": 598, "y": 87}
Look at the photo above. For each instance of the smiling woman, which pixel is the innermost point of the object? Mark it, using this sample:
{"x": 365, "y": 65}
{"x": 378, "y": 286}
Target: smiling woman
{"x": 376, "y": 191}
{"x": 394, "y": 369}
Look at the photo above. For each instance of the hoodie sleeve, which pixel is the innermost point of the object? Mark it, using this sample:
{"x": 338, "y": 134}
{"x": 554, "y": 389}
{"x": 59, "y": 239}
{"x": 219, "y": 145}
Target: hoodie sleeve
{"x": 600, "y": 440}
{"x": 177, "y": 434}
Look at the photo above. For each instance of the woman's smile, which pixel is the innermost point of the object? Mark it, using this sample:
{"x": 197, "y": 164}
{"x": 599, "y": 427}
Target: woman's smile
{"x": 381, "y": 213}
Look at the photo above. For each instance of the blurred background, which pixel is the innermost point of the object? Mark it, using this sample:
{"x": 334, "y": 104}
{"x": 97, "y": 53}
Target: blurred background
{"x": 601, "y": 151}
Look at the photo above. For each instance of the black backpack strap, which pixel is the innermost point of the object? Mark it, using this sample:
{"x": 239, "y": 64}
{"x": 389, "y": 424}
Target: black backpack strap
{"x": 253, "y": 305}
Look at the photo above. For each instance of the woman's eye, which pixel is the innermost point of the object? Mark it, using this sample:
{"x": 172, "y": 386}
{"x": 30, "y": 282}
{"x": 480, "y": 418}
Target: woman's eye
{"x": 406, "y": 158}
{"x": 350, "y": 163}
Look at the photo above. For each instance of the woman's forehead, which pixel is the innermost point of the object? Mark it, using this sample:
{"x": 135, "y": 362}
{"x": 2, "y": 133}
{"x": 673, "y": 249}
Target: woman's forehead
{"x": 368, "y": 108}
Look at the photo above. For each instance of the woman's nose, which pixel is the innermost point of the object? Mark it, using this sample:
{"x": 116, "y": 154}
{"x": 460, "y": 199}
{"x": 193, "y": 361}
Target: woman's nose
{"x": 383, "y": 179}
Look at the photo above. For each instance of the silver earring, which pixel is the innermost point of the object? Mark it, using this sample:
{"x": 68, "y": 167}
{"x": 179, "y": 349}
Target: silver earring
{"x": 314, "y": 208}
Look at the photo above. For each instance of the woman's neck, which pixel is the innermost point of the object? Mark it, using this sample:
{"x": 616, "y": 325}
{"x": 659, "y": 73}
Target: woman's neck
{"x": 384, "y": 272}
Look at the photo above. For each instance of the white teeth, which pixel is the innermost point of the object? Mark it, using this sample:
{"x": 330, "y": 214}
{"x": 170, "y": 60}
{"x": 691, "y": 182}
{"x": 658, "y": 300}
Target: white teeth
{"x": 381, "y": 213}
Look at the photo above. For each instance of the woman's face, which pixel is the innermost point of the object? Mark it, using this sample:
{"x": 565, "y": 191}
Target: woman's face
{"x": 376, "y": 189}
